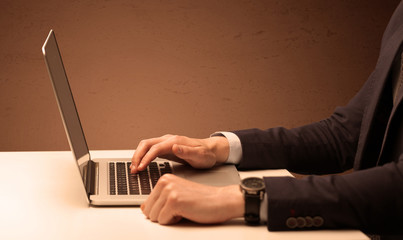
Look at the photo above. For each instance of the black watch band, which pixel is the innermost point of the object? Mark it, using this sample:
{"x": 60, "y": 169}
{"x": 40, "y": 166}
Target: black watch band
{"x": 252, "y": 209}
{"x": 253, "y": 189}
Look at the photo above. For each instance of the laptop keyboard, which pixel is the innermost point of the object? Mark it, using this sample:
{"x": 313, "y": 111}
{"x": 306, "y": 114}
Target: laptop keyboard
{"x": 122, "y": 182}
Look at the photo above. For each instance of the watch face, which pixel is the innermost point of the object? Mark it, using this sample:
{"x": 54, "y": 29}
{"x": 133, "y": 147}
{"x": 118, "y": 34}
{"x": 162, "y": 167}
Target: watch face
{"x": 253, "y": 183}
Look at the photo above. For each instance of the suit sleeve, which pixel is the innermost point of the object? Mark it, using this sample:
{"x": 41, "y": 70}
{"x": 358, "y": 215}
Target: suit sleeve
{"x": 370, "y": 200}
{"x": 327, "y": 146}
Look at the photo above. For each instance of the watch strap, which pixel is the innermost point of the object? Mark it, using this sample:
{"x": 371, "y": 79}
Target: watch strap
{"x": 252, "y": 208}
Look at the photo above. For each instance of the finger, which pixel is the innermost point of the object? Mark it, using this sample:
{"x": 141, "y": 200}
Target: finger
{"x": 150, "y": 149}
{"x": 167, "y": 218}
{"x": 157, "y": 150}
{"x": 148, "y": 204}
{"x": 142, "y": 206}
{"x": 183, "y": 152}
{"x": 197, "y": 157}
{"x": 155, "y": 194}
{"x": 168, "y": 212}
{"x": 140, "y": 151}
{"x": 162, "y": 148}
{"x": 143, "y": 147}
{"x": 155, "y": 209}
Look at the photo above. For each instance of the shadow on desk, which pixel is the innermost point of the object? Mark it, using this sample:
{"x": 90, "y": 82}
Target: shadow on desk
{"x": 240, "y": 222}
{"x": 187, "y": 223}
{"x": 385, "y": 237}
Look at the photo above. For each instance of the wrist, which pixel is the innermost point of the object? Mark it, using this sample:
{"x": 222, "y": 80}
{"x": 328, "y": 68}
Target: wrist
{"x": 235, "y": 202}
{"x": 220, "y": 147}
{"x": 234, "y": 154}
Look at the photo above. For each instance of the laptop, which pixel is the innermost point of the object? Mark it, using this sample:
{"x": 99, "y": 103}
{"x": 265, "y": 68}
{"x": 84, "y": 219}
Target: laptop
{"x": 109, "y": 181}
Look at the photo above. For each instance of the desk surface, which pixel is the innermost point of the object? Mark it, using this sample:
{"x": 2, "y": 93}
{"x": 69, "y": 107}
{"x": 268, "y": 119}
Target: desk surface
{"x": 42, "y": 197}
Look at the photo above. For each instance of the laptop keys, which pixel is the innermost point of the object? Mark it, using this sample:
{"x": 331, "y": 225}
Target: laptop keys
{"x": 144, "y": 182}
{"x": 133, "y": 182}
{"x": 112, "y": 184}
{"x": 154, "y": 173}
{"x": 121, "y": 178}
{"x": 122, "y": 182}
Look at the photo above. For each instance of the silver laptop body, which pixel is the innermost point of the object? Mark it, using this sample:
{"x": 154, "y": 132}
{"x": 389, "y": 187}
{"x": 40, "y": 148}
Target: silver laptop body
{"x": 100, "y": 179}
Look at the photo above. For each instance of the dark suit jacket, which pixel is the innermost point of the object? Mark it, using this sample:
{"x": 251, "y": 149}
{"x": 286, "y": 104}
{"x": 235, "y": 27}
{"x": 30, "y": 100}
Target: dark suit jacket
{"x": 367, "y": 135}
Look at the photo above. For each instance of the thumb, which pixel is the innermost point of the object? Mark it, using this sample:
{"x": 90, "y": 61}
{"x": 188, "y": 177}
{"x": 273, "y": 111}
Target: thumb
{"x": 184, "y": 152}
{"x": 193, "y": 156}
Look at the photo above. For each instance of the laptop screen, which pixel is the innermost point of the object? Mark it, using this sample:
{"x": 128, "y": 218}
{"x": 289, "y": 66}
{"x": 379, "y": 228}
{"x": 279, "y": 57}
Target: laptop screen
{"x": 65, "y": 100}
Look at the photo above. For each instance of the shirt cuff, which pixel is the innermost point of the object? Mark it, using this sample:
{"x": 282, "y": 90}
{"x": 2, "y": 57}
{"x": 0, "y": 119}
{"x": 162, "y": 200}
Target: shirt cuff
{"x": 235, "y": 147}
{"x": 263, "y": 209}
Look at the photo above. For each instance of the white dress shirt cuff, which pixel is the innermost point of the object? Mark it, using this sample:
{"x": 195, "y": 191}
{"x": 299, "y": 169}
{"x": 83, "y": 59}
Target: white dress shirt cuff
{"x": 263, "y": 209}
{"x": 235, "y": 147}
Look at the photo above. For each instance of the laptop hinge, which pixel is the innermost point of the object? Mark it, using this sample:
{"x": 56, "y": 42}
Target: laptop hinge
{"x": 90, "y": 178}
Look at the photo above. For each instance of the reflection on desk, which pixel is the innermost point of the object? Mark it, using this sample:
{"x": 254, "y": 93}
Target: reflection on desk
{"x": 43, "y": 198}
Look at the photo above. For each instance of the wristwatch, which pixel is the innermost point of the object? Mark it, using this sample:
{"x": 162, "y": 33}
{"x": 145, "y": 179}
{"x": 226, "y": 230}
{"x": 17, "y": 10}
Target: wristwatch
{"x": 253, "y": 189}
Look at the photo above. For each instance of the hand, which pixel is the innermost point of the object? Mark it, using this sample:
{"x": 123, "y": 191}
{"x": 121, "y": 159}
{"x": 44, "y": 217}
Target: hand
{"x": 174, "y": 198}
{"x": 199, "y": 153}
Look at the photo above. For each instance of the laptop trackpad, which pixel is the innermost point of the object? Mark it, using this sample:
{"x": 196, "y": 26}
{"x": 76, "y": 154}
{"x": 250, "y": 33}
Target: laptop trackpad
{"x": 218, "y": 176}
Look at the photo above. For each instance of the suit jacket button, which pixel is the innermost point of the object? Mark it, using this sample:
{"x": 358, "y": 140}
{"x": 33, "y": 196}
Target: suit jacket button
{"x": 291, "y": 222}
{"x": 318, "y": 221}
{"x": 301, "y": 222}
{"x": 309, "y": 222}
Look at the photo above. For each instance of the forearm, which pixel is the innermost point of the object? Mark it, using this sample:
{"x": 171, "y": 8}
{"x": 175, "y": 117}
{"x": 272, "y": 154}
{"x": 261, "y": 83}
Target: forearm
{"x": 368, "y": 200}
{"x": 323, "y": 147}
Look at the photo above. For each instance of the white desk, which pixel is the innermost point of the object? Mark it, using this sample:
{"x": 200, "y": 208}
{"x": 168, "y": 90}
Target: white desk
{"x": 42, "y": 198}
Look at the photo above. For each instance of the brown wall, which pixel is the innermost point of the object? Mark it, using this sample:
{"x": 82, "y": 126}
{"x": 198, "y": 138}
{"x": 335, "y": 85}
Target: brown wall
{"x": 141, "y": 69}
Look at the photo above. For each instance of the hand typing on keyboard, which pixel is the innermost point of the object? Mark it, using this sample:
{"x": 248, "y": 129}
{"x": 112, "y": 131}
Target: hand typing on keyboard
{"x": 175, "y": 198}
{"x": 199, "y": 153}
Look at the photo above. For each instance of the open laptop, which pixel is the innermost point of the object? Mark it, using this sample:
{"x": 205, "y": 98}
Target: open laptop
{"x": 108, "y": 181}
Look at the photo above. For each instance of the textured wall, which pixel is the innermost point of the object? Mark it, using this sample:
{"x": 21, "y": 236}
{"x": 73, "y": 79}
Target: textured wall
{"x": 141, "y": 69}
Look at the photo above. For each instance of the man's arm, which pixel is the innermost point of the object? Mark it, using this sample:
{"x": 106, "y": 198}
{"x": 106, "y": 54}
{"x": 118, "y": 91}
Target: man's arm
{"x": 369, "y": 200}
{"x": 327, "y": 146}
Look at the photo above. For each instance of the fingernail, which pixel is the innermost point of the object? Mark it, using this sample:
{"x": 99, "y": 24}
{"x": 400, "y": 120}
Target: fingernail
{"x": 141, "y": 166}
{"x": 180, "y": 150}
{"x": 132, "y": 168}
